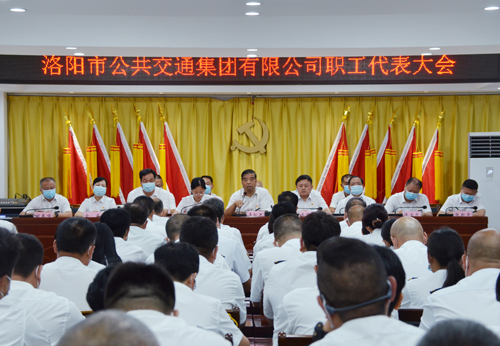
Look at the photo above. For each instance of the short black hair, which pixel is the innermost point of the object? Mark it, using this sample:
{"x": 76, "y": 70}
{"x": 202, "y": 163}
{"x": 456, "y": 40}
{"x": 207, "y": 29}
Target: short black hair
{"x": 30, "y": 254}
{"x": 201, "y": 233}
{"x": 99, "y": 179}
{"x": 289, "y": 196}
{"x": 105, "y": 248}
{"x": 208, "y": 177}
{"x": 9, "y": 252}
{"x": 470, "y": 184}
{"x": 414, "y": 181}
{"x": 95, "y": 293}
{"x": 198, "y": 182}
{"x": 447, "y": 247}
{"x": 318, "y": 227}
{"x": 345, "y": 177}
{"x": 248, "y": 171}
{"x": 459, "y": 333}
{"x": 145, "y": 172}
{"x": 75, "y": 235}
{"x": 118, "y": 220}
{"x": 204, "y": 210}
{"x": 43, "y": 180}
{"x": 158, "y": 205}
{"x": 286, "y": 225}
{"x": 282, "y": 208}
{"x": 217, "y": 204}
{"x": 131, "y": 281}
{"x": 303, "y": 177}
{"x": 393, "y": 267}
{"x": 159, "y": 177}
{"x": 180, "y": 260}
{"x": 354, "y": 177}
{"x": 147, "y": 201}
{"x": 173, "y": 225}
{"x": 386, "y": 231}
{"x": 354, "y": 201}
{"x": 374, "y": 216}
{"x": 138, "y": 213}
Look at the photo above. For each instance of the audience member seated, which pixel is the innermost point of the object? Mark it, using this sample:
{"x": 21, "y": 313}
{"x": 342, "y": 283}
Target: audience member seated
{"x": 250, "y": 197}
{"x": 357, "y": 188}
{"x": 299, "y": 272}
{"x": 148, "y": 188}
{"x": 151, "y": 226}
{"x": 355, "y": 218}
{"x": 209, "y": 183}
{"x": 49, "y": 200}
{"x": 159, "y": 214}
{"x": 109, "y": 328}
{"x": 99, "y": 201}
{"x": 182, "y": 262}
{"x": 173, "y": 226}
{"x": 9, "y": 226}
{"x": 445, "y": 249}
{"x": 386, "y": 232}
{"x": 197, "y": 196}
{"x": 409, "y": 200}
{"x": 18, "y": 326}
{"x": 459, "y": 333}
{"x": 355, "y": 293}
{"x": 105, "y": 248}
{"x": 473, "y": 297}
{"x": 337, "y": 197}
{"x": 138, "y": 235}
{"x": 69, "y": 275}
{"x": 118, "y": 220}
{"x": 265, "y": 230}
{"x": 159, "y": 184}
{"x": 309, "y": 199}
{"x": 344, "y": 224}
{"x": 213, "y": 281}
{"x": 467, "y": 199}
{"x": 147, "y": 293}
{"x": 409, "y": 240}
{"x": 287, "y": 234}
{"x": 55, "y": 314}
{"x": 95, "y": 293}
{"x": 224, "y": 230}
{"x": 374, "y": 217}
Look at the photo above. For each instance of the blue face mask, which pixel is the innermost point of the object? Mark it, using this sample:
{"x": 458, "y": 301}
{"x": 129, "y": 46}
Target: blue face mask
{"x": 346, "y": 189}
{"x": 411, "y": 195}
{"x": 148, "y": 187}
{"x": 467, "y": 198}
{"x": 49, "y": 194}
{"x": 99, "y": 191}
{"x": 208, "y": 190}
{"x": 356, "y": 190}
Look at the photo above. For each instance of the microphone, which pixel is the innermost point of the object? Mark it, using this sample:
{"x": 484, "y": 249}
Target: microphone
{"x": 462, "y": 208}
{"x": 242, "y": 199}
{"x": 421, "y": 207}
{"x": 340, "y": 211}
{"x": 188, "y": 206}
{"x": 318, "y": 208}
{"x": 36, "y": 209}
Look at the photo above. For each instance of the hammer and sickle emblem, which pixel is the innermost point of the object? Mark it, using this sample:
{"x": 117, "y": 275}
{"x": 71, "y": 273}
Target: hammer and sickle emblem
{"x": 259, "y": 146}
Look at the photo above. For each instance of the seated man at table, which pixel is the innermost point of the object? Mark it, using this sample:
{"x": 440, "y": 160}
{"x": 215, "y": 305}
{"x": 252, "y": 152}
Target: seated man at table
{"x": 467, "y": 200}
{"x": 209, "y": 183}
{"x": 250, "y": 197}
{"x": 357, "y": 187}
{"x": 337, "y": 197}
{"x": 49, "y": 200}
{"x": 148, "y": 188}
{"x": 309, "y": 199}
{"x": 409, "y": 200}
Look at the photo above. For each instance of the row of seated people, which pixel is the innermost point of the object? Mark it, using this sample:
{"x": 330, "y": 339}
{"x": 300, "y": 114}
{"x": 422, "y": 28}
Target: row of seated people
{"x": 355, "y": 284}
{"x": 252, "y": 197}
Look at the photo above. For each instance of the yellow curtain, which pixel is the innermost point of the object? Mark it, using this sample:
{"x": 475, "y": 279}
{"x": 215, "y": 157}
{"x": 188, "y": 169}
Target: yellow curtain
{"x": 302, "y": 131}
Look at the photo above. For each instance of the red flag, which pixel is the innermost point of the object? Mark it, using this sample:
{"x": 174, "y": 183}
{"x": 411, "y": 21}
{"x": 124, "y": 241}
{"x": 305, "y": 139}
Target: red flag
{"x": 386, "y": 159}
{"x": 150, "y": 160}
{"x": 336, "y": 166}
{"x": 404, "y": 168}
{"x": 75, "y": 171}
{"x": 175, "y": 174}
{"x": 432, "y": 171}
{"x": 126, "y": 163}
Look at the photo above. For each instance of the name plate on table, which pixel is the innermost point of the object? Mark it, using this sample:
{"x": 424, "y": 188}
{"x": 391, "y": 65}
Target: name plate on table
{"x": 462, "y": 213}
{"x": 92, "y": 214}
{"x": 412, "y": 213}
{"x": 43, "y": 214}
{"x": 304, "y": 213}
{"x": 257, "y": 213}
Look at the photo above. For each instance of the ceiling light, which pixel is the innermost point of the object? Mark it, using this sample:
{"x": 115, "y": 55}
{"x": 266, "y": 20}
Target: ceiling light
{"x": 434, "y": 48}
{"x": 489, "y": 8}
{"x": 498, "y": 88}
{"x": 251, "y": 55}
{"x": 71, "y": 48}
{"x": 253, "y": 3}
{"x": 252, "y": 13}
{"x": 18, "y": 10}
{"x": 71, "y": 92}
{"x": 79, "y": 54}
{"x": 426, "y": 53}
{"x": 160, "y": 93}
{"x": 252, "y": 50}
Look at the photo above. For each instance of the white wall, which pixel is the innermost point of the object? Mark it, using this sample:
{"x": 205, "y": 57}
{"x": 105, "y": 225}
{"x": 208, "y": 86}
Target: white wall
{"x": 4, "y": 145}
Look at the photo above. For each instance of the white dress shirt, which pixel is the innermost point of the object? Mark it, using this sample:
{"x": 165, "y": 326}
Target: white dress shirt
{"x": 146, "y": 240}
{"x": 236, "y": 257}
{"x": 265, "y": 260}
{"x": 70, "y": 278}
{"x": 352, "y": 231}
{"x": 171, "y": 330}
{"x": 55, "y": 314}
{"x": 204, "y": 312}
{"x": 160, "y": 220}
{"x": 263, "y": 231}
{"x": 188, "y": 202}
{"x": 91, "y": 204}
{"x": 18, "y": 327}
{"x": 413, "y": 256}
{"x": 472, "y": 298}
{"x": 377, "y": 330}
{"x": 455, "y": 202}
{"x": 343, "y": 225}
{"x": 314, "y": 200}
{"x": 298, "y": 313}
{"x": 266, "y": 242}
{"x": 287, "y": 276}
{"x": 261, "y": 200}
{"x": 336, "y": 198}
{"x": 166, "y": 197}
{"x": 342, "y": 204}
{"x": 156, "y": 228}
{"x": 417, "y": 290}
{"x": 231, "y": 232}
{"x": 9, "y": 226}
{"x": 374, "y": 238}
{"x": 129, "y": 252}
{"x": 221, "y": 284}
{"x": 398, "y": 204}
{"x": 40, "y": 202}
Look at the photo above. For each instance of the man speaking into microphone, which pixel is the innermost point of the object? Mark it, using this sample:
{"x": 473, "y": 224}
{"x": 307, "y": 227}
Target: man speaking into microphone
{"x": 49, "y": 200}
{"x": 410, "y": 199}
{"x": 250, "y": 197}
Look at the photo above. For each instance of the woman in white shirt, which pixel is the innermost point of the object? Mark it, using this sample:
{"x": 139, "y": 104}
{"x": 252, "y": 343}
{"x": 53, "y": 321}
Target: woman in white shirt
{"x": 99, "y": 201}
{"x": 374, "y": 217}
{"x": 197, "y": 197}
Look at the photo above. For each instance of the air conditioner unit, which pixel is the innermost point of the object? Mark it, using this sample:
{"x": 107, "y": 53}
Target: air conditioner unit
{"x": 484, "y": 167}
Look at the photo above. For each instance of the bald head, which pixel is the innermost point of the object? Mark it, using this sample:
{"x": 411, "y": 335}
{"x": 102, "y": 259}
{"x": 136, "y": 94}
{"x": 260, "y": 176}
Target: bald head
{"x": 405, "y": 229}
{"x": 355, "y": 213}
{"x": 109, "y": 328}
{"x": 483, "y": 250}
